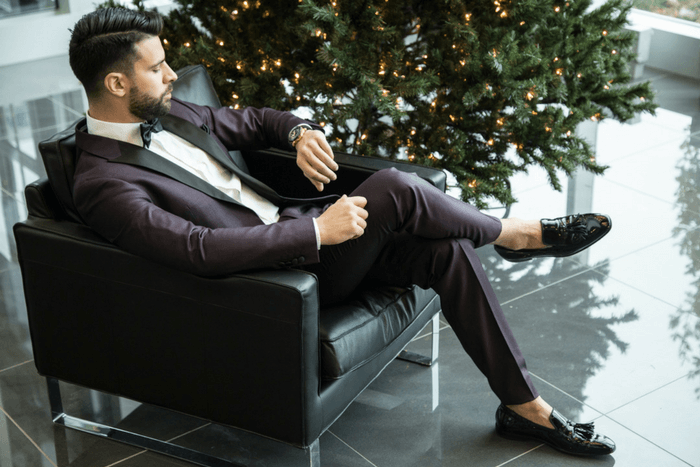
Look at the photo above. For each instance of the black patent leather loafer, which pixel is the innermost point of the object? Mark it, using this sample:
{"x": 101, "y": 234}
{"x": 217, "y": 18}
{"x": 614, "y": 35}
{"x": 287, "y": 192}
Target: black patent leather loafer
{"x": 569, "y": 437}
{"x": 564, "y": 236}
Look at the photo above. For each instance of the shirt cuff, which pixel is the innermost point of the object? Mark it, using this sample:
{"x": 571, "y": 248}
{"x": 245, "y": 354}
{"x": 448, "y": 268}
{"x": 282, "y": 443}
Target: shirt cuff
{"x": 318, "y": 234}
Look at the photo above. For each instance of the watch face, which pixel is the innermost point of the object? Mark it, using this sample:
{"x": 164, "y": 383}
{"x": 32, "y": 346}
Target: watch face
{"x": 294, "y": 134}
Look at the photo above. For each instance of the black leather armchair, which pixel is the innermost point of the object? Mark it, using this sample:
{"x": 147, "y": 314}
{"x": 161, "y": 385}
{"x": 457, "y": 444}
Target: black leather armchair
{"x": 252, "y": 350}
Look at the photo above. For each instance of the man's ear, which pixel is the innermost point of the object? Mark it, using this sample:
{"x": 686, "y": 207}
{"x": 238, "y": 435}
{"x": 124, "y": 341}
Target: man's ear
{"x": 116, "y": 84}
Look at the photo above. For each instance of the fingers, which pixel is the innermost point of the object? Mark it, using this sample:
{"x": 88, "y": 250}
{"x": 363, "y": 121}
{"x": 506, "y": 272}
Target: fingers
{"x": 359, "y": 201}
{"x": 315, "y": 159}
{"x": 358, "y": 213}
{"x": 316, "y": 183}
{"x": 346, "y": 219}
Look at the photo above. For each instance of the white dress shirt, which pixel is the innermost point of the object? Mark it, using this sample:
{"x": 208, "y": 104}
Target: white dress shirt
{"x": 196, "y": 161}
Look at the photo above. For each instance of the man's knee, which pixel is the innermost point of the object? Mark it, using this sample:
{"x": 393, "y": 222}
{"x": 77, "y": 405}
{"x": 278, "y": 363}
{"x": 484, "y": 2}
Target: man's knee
{"x": 392, "y": 179}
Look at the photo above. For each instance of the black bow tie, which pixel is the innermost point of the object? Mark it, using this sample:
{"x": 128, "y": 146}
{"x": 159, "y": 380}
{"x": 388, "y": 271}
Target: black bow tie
{"x": 154, "y": 126}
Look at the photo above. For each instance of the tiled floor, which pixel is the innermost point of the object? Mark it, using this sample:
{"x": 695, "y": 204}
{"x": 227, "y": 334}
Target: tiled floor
{"x": 612, "y": 334}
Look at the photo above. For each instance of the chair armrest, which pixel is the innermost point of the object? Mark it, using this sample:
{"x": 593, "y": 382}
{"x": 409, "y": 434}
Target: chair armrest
{"x": 278, "y": 169}
{"x": 41, "y": 200}
{"x": 108, "y": 320}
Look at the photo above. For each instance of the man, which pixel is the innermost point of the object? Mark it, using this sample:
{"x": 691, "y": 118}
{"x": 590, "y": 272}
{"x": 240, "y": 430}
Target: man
{"x": 167, "y": 190}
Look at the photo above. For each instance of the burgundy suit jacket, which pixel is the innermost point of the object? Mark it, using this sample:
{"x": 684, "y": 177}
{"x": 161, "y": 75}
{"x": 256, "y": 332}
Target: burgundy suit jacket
{"x": 152, "y": 208}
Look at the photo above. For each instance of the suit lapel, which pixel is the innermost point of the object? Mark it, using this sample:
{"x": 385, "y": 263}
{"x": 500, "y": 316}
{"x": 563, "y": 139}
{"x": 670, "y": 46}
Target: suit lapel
{"x": 134, "y": 155}
{"x": 204, "y": 141}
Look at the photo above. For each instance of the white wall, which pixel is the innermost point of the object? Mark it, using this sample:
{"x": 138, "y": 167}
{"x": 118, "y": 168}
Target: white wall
{"x": 37, "y": 36}
{"x": 40, "y": 35}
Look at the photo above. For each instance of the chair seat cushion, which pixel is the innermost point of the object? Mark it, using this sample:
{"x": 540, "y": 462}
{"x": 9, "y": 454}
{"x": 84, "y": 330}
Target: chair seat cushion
{"x": 354, "y": 332}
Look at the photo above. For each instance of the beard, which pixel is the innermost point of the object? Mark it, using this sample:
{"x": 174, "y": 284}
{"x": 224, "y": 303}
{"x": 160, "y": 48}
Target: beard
{"x": 148, "y": 107}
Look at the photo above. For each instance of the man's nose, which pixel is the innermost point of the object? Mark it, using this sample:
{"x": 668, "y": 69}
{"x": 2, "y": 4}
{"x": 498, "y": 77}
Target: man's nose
{"x": 170, "y": 75}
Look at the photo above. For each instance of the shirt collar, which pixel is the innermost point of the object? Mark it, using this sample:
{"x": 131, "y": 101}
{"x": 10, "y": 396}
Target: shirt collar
{"x": 127, "y": 132}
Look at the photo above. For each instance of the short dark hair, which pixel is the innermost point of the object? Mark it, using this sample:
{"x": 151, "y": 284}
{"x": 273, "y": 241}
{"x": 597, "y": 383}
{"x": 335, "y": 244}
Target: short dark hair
{"x": 103, "y": 41}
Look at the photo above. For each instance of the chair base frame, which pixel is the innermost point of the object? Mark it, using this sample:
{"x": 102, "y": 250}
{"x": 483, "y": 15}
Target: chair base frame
{"x": 60, "y": 417}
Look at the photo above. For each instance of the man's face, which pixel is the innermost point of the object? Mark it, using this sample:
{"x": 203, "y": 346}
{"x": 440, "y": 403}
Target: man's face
{"x": 151, "y": 81}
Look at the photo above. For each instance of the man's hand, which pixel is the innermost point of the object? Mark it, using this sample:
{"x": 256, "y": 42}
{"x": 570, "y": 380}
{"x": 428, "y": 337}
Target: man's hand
{"x": 315, "y": 158}
{"x": 345, "y": 220}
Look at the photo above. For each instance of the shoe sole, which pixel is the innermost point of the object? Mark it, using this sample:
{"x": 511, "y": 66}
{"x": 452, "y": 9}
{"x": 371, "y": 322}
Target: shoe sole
{"x": 517, "y": 437}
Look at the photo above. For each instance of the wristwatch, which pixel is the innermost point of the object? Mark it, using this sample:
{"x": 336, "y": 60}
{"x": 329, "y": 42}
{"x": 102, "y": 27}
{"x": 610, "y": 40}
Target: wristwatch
{"x": 297, "y": 132}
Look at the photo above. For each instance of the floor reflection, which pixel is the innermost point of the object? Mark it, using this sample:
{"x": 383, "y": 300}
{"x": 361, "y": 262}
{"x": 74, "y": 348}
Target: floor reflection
{"x": 575, "y": 321}
{"x": 686, "y": 320}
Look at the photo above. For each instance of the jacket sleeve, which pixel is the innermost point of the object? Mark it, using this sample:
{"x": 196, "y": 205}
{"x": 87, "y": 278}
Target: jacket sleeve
{"x": 125, "y": 214}
{"x": 245, "y": 129}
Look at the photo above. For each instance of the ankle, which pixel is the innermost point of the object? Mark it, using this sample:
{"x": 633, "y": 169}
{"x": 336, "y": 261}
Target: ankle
{"x": 517, "y": 234}
{"x": 537, "y": 411}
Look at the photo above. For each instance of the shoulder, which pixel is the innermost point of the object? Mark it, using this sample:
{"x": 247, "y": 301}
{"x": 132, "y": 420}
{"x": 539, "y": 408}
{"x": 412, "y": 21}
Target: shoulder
{"x": 190, "y": 111}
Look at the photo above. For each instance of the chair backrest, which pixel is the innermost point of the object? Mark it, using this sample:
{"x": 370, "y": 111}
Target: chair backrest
{"x": 59, "y": 151}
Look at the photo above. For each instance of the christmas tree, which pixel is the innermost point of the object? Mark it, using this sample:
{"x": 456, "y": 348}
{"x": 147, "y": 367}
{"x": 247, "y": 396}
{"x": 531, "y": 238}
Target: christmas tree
{"x": 482, "y": 89}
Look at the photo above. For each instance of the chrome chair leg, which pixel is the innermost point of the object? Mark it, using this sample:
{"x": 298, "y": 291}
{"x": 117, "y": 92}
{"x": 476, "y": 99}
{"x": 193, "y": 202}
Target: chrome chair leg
{"x": 314, "y": 452}
{"x": 134, "y": 439}
{"x": 434, "y": 348}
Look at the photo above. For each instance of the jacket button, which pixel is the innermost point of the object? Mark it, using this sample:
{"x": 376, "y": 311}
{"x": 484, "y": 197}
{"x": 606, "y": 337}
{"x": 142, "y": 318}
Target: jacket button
{"x": 301, "y": 259}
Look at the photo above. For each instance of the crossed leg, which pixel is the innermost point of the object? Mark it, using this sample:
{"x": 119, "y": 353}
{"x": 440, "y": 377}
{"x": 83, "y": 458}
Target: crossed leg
{"x": 418, "y": 235}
